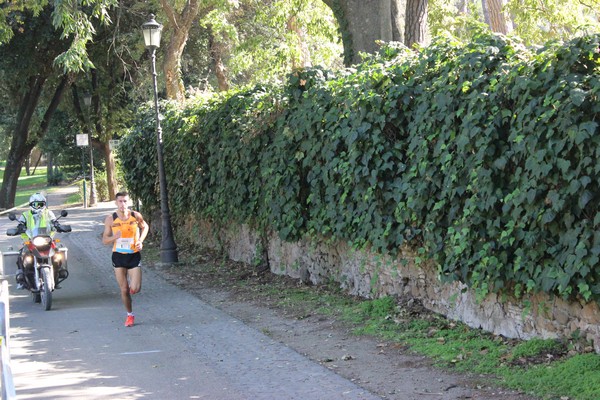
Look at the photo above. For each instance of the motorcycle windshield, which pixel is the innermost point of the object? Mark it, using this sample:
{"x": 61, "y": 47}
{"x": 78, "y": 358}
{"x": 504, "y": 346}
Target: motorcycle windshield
{"x": 38, "y": 231}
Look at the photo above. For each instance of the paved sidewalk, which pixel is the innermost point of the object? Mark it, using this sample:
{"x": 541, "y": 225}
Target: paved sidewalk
{"x": 58, "y": 196}
{"x": 180, "y": 347}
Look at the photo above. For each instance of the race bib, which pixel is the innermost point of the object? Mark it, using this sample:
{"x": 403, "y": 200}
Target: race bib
{"x": 124, "y": 245}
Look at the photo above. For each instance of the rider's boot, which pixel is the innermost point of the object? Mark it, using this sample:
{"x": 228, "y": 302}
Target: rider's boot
{"x": 63, "y": 273}
{"x": 20, "y": 278}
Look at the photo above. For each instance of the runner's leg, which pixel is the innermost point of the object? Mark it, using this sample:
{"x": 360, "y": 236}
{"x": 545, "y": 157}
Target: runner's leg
{"x": 121, "y": 275}
{"x": 135, "y": 279}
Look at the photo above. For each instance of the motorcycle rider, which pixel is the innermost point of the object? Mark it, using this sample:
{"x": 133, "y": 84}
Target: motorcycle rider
{"x": 39, "y": 220}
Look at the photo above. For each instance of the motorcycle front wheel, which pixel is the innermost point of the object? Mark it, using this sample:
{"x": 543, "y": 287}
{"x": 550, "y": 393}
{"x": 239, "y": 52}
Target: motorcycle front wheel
{"x": 45, "y": 291}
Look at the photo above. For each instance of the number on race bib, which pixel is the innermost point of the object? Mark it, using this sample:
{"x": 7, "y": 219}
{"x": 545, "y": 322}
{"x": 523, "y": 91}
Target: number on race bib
{"x": 124, "y": 245}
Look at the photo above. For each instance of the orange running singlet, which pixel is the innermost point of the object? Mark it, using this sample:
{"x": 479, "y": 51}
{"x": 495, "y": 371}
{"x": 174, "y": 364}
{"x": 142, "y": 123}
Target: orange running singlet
{"x": 130, "y": 233}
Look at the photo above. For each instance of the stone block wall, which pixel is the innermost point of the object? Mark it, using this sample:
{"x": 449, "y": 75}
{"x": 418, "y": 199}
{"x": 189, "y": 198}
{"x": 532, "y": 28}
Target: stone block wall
{"x": 372, "y": 275}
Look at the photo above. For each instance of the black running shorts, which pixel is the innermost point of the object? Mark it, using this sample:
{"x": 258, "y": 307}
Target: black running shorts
{"x": 126, "y": 260}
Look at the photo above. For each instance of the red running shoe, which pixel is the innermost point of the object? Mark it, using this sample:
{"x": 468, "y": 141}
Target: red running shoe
{"x": 129, "y": 320}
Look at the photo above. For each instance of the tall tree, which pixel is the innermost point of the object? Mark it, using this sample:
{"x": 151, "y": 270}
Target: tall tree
{"x": 28, "y": 40}
{"x": 416, "y": 22}
{"x": 534, "y": 21}
{"x": 495, "y": 17}
{"x": 267, "y": 39}
{"x": 240, "y": 43}
{"x": 363, "y": 23}
{"x": 179, "y": 28}
{"x": 118, "y": 82}
{"x": 27, "y": 64}
{"x": 67, "y": 16}
{"x": 303, "y": 51}
{"x": 217, "y": 49}
{"x": 23, "y": 141}
{"x": 537, "y": 21}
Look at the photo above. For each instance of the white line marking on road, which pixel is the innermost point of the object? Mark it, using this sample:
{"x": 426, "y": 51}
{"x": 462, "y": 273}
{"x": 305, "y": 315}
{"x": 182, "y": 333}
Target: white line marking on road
{"x": 129, "y": 353}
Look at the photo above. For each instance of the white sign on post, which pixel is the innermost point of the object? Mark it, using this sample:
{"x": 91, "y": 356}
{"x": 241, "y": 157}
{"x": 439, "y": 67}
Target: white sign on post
{"x": 113, "y": 144}
{"x": 82, "y": 139}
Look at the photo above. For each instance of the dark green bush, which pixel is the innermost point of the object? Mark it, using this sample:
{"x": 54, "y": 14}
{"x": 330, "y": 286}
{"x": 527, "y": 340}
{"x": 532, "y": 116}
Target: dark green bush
{"x": 481, "y": 156}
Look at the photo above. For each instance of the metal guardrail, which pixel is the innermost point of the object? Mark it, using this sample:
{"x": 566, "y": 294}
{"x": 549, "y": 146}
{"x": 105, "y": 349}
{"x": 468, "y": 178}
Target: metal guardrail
{"x": 15, "y": 208}
{"x": 8, "y": 387}
{"x": 21, "y": 206}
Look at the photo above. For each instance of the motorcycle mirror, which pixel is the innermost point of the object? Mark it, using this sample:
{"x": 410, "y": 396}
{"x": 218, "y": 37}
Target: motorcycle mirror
{"x": 12, "y": 216}
{"x": 64, "y": 213}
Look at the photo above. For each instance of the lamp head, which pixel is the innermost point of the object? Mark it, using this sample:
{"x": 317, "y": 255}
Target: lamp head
{"x": 152, "y": 33}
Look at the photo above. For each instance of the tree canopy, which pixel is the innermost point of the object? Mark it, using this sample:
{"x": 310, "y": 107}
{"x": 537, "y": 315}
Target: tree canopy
{"x": 73, "y": 19}
{"x": 218, "y": 45}
{"x": 532, "y": 21}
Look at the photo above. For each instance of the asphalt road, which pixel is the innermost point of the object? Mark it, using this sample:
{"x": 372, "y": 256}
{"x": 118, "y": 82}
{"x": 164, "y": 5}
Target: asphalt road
{"x": 180, "y": 347}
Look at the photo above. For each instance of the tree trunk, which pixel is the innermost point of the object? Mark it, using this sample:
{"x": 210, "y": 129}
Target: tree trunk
{"x": 216, "y": 53}
{"x": 303, "y": 59}
{"x": 28, "y": 163}
{"x": 416, "y": 22}
{"x": 180, "y": 27}
{"x": 50, "y": 169}
{"x": 64, "y": 83}
{"x": 398, "y": 10}
{"x": 100, "y": 137}
{"x": 22, "y": 143}
{"x": 20, "y": 147}
{"x": 365, "y": 22}
{"x": 494, "y": 16}
{"x": 111, "y": 179}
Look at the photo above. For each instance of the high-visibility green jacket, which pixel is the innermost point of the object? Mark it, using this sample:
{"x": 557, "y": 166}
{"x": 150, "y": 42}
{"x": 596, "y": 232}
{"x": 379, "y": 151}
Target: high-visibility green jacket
{"x": 38, "y": 224}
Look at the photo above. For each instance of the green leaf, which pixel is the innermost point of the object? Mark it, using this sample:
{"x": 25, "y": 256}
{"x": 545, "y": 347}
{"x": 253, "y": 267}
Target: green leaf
{"x": 577, "y": 96}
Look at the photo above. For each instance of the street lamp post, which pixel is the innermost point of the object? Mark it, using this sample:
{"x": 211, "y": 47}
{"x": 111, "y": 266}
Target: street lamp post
{"x": 87, "y": 100}
{"x": 83, "y": 175}
{"x": 82, "y": 140}
{"x": 168, "y": 249}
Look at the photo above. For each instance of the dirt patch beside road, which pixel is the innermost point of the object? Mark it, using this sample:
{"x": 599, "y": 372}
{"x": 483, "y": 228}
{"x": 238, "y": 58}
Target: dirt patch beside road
{"x": 257, "y": 297}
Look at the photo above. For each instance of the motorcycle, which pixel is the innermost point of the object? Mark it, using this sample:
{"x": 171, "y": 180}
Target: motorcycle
{"x": 42, "y": 260}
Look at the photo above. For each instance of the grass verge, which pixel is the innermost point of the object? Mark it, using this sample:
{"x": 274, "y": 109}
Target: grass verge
{"x": 28, "y": 184}
{"x": 549, "y": 369}
{"x": 37, "y": 182}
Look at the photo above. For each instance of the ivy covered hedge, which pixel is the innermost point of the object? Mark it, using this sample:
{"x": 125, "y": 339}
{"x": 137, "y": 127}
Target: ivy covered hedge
{"x": 483, "y": 157}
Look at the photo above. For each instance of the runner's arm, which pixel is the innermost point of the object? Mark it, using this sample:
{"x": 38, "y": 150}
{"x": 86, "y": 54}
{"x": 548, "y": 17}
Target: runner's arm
{"x": 107, "y": 236}
{"x": 144, "y": 227}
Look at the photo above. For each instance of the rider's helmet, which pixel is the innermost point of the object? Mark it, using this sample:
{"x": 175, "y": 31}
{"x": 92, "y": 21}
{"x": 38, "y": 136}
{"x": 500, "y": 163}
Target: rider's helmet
{"x": 37, "y": 202}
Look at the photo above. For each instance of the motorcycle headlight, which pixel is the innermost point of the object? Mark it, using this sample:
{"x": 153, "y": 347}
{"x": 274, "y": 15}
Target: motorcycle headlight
{"x": 57, "y": 257}
{"x": 41, "y": 241}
